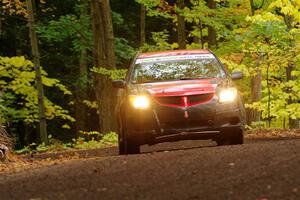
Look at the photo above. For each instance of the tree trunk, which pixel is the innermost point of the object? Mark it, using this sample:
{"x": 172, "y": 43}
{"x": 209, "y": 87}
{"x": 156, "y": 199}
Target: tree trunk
{"x": 212, "y": 34}
{"x": 4, "y": 138}
{"x": 81, "y": 93}
{"x": 37, "y": 67}
{"x": 5, "y": 144}
{"x": 256, "y": 86}
{"x": 83, "y": 71}
{"x": 293, "y": 123}
{"x": 252, "y": 7}
{"x": 201, "y": 34}
{"x": 1, "y": 26}
{"x": 142, "y": 25}
{"x": 104, "y": 56}
{"x": 19, "y": 40}
{"x": 181, "y": 26}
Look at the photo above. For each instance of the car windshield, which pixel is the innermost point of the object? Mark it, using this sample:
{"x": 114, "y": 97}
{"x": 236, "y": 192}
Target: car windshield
{"x": 168, "y": 69}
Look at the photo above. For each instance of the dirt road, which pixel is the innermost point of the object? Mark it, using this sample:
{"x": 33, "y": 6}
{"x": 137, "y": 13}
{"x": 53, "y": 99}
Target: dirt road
{"x": 259, "y": 169}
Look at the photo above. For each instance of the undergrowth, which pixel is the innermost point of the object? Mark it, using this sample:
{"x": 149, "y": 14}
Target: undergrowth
{"x": 87, "y": 140}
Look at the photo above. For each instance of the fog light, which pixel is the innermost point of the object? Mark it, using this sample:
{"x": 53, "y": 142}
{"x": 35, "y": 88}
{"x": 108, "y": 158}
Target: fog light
{"x": 228, "y": 95}
{"x": 140, "y": 101}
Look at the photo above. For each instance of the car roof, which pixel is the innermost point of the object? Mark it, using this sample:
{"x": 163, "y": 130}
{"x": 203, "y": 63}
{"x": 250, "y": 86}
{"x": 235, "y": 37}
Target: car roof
{"x": 173, "y": 53}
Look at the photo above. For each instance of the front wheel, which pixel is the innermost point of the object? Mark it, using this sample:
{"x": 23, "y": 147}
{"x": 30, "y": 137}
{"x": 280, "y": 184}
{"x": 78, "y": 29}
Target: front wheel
{"x": 121, "y": 145}
{"x": 233, "y": 137}
{"x": 128, "y": 146}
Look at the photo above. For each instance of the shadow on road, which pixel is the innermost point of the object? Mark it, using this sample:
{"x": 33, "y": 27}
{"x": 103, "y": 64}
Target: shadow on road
{"x": 177, "y": 146}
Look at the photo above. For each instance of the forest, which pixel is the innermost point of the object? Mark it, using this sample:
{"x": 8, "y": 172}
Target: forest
{"x": 58, "y": 58}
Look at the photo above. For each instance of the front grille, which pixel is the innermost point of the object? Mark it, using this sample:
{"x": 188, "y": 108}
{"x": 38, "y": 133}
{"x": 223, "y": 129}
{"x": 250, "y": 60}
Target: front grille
{"x": 169, "y": 100}
{"x": 194, "y": 99}
{"x": 179, "y": 100}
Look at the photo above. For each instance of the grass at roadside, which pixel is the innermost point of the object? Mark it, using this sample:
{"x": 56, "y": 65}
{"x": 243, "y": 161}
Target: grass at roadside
{"x": 91, "y": 140}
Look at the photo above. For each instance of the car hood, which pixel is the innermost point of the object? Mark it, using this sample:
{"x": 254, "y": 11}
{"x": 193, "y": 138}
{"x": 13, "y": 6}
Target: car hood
{"x": 179, "y": 88}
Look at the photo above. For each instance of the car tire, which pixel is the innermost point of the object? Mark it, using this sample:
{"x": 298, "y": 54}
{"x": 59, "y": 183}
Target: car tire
{"x": 127, "y": 146}
{"x": 121, "y": 146}
{"x": 132, "y": 147}
{"x": 237, "y": 137}
{"x": 221, "y": 140}
{"x": 234, "y": 137}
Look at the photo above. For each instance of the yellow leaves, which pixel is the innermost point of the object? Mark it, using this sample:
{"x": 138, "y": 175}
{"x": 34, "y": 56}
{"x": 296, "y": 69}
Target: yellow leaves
{"x": 66, "y": 126}
{"x": 232, "y": 65}
{"x": 4, "y": 61}
{"x": 295, "y": 73}
{"x": 17, "y": 61}
{"x": 285, "y": 7}
{"x": 12, "y": 7}
{"x": 63, "y": 88}
{"x": 49, "y": 81}
{"x": 288, "y": 8}
{"x": 90, "y": 104}
{"x": 16, "y": 7}
{"x": 2, "y": 82}
{"x": 264, "y": 17}
{"x": 18, "y": 80}
{"x": 277, "y": 4}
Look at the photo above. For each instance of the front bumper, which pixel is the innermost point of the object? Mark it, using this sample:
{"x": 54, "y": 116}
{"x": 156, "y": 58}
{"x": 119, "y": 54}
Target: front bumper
{"x": 163, "y": 124}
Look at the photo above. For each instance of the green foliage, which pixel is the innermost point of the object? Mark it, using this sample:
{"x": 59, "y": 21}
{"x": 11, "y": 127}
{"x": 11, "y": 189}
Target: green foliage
{"x": 109, "y": 139}
{"x": 270, "y": 43}
{"x": 123, "y": 50}
{"x": 258, "y": 125}
{"x": 160, "y": 42}
{"x": 24, "y": 150}
{"x": 90, "y": 104}
{"x": 157, "y": 8}
{"x": 19, "y": 100}
{"x": 69, "y": 26}
{"x": 223, "y": 18}
{"x": 78, "y": 29}
{"x": 113, "y": 74}
{"x": 89, "y": 140}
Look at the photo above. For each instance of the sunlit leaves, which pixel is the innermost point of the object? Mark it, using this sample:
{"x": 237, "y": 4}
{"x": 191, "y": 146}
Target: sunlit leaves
{"x": 272, "y": 43}
{"x": 15, "y": 7}
{"x": 19, "y": 95}
{"x": 161, "y": 42}
{"x": 113, "y": 74}
{"x": 159, "y": 8}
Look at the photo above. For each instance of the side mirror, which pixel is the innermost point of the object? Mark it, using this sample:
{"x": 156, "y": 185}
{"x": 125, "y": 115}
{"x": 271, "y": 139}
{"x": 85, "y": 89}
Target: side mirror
{"x": 237, "y": 75}
{"x": 119, "y": 83}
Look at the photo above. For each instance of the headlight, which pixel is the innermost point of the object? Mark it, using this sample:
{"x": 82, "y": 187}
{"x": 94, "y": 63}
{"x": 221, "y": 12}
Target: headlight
{"x": 140, "y": 101}
{"x": 227, "y": 95}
